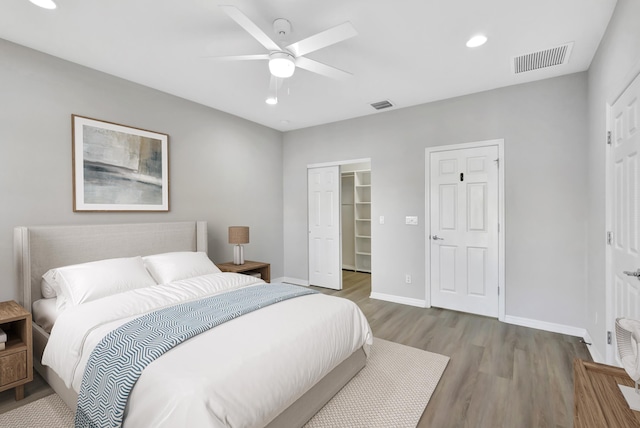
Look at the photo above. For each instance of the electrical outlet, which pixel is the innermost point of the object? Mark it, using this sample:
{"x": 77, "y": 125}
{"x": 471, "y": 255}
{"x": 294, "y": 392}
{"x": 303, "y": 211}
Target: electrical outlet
{"x": 381, "y": 219}
{"x": 407, "y": 279}
{"x": 412, "y": 220}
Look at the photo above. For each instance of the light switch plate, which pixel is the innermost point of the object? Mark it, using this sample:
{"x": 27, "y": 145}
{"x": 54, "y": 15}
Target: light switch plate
{"x": 412, "y": 220}
{"x": 381, "y": 219}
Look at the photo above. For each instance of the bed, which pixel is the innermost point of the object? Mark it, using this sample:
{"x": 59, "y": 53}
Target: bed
{"x": 39, "y": 249}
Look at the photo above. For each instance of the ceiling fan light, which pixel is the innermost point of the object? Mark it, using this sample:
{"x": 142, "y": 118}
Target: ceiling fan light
{"x": 281, "y": 65}
{"x": 45, "y": 4}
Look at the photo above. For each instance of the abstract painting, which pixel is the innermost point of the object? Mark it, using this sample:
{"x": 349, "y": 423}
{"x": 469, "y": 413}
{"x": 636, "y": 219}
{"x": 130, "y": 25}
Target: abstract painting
{"x": 118, "y": 168}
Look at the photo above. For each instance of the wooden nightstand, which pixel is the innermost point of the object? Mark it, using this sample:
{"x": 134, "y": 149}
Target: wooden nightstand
{"x": 264, "y": 269}
{"x": 16, "y": 360}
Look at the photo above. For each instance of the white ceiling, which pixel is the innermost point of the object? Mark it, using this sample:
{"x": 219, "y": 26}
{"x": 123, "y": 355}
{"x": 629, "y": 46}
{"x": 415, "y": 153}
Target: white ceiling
{"x": 408, "y": 51}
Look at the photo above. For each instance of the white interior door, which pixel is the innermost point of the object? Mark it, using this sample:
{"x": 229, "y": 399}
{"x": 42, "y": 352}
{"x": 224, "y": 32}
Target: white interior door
{"x": 625, "y": 193}
{"x": 325, "y": 260}
{"x": 464, "y": 217}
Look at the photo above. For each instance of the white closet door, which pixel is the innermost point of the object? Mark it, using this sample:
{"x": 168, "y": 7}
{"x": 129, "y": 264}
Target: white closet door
{"x": 325, "y": 259}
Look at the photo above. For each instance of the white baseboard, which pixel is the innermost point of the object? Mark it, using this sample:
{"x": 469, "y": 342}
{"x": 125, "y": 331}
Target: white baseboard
{"x": 595, "y": 354}
{"x": 399, "y": 299}
{"x": 546, "y": 326}
{"x": 295, "y": 281}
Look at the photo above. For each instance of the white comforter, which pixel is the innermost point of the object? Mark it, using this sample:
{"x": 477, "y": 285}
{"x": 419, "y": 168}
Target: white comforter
{"x": 240, "y": 374}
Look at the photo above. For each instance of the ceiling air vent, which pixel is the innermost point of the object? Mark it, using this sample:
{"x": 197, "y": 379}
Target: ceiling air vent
{"x": 382, "y": 105}
{"x": 542, "y": 59}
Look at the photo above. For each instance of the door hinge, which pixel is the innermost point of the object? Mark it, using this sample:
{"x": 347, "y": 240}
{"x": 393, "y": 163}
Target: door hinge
{"x": 609, "y": 238}
{"x": 608, "y": 137}
{"x": 497, "y": 161}
{"x": 608, "y": 338}
{"x": 498, "y": 291}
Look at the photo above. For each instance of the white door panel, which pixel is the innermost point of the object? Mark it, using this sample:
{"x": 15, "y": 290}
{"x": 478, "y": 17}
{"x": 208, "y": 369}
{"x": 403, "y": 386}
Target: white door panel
{"x": 324, "y": 227}
{"x": 464, "y": 230}
{"x": 625, "y": 218}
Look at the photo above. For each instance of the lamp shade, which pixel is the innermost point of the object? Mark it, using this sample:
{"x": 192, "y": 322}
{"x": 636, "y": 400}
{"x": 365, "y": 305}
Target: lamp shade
{"x": 238, "y": 234}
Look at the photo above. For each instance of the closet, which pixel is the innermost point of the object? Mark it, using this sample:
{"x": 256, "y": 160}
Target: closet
{"x": 356, "y": 220}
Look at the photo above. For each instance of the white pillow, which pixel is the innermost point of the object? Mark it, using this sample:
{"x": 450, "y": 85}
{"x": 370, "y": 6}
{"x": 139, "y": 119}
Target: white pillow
{"x": 169, "y": 267}
{"x": 84, "y": 282}
{"x": 48, "y": 286}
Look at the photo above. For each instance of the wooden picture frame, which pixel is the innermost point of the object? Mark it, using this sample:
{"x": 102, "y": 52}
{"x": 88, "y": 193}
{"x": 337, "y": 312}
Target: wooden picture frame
{"x": 118, "y": 167}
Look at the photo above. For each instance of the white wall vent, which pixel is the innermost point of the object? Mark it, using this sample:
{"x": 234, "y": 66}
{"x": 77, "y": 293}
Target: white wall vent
{"x": 542, "y": 59}
{"x": 382, "y": 105}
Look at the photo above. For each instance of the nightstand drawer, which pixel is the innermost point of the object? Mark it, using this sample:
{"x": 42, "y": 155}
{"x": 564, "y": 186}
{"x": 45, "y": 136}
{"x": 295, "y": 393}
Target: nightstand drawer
{"x": 13, "y": 368}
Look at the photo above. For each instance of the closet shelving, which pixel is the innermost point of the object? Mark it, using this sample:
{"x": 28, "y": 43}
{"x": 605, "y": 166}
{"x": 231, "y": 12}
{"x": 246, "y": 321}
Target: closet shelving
{"x": 348, "y": 221}
{"x": 362, "y": 202}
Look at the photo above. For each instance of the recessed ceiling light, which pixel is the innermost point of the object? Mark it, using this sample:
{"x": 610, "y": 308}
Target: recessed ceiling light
{"x": 476, "y": 41}
{"x": 271, "y": 101}
{"x": 45, "y": 4}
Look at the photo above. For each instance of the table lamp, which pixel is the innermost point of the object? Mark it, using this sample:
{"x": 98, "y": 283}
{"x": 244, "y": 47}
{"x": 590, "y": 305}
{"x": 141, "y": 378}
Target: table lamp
{"x": 238, "y": 235}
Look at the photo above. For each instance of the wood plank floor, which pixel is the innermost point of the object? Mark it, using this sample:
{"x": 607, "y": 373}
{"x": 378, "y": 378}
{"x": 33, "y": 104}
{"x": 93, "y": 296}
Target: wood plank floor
{"x": 499, "y": 375}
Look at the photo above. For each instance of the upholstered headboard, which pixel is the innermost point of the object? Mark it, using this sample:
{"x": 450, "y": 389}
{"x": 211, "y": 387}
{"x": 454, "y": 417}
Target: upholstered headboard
{"x": 38, "y": 249}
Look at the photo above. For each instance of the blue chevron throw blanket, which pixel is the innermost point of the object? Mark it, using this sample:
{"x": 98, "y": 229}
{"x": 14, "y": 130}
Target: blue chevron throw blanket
{"x": 118, "y": 360}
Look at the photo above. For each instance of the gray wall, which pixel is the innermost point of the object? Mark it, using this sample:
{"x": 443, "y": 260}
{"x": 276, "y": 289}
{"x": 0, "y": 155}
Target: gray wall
{"x": 618, "y": 54}
{"x": 223, "y": 169}
{"x": 544, "y": 128}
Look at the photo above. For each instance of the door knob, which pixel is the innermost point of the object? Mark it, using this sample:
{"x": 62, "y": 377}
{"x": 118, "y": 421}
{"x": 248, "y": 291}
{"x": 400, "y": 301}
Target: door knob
{"x": 636, "y": 273}
{"x": 437, "y": 238}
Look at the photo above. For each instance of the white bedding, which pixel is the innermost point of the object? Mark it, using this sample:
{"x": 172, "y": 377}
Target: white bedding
{"x": 240, "y": 374}
{"x": 45, "y": 313}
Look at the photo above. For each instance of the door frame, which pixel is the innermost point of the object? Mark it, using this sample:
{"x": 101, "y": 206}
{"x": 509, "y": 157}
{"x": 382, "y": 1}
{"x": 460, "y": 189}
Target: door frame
{"x": 610, "y": 351}
{"x": 322, "y": 165}
{"x": 501, "y": 219}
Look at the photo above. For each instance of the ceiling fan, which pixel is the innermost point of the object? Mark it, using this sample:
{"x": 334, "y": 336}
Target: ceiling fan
{"x": 283, "y": 61}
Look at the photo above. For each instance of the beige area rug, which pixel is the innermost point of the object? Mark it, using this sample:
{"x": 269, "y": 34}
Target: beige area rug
{"x": 391, "y": 391}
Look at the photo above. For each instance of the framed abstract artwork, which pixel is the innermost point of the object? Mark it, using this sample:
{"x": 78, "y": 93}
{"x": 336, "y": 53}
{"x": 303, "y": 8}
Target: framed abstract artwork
{"x": 118, "y": 168}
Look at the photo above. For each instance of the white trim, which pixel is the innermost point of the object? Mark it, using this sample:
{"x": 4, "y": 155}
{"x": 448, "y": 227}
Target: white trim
{"x": 337, "y": 163}
{"x": 501, "y": 218}
{"x": 295, "y": 281}
{"x": 608, "y": 254}
{"x": 593, "y": 350}
{"x": 399, "y": 299}
{"x": 546, "y": 326}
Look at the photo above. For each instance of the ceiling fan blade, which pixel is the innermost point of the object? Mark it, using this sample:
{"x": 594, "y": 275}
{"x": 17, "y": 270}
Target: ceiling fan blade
{"x": 323, "y": 69}
{"x": 322, "y": 40}
{"x": 239, "y": 57}
{"x": 251, "y": 28}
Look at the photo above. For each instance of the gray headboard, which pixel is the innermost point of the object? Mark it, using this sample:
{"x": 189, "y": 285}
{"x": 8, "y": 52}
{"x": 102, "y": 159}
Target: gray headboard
{"x": 38, "y": 249}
